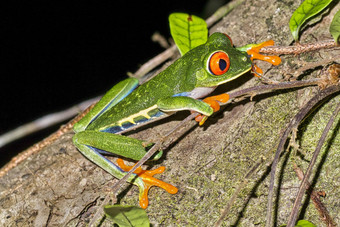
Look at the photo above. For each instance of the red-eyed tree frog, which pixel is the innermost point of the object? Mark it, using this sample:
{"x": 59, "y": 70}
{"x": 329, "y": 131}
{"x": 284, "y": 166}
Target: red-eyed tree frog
{"x": 179, "y": 87}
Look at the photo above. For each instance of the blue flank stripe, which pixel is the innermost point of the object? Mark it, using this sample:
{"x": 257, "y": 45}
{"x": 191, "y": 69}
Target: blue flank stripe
{"x": 182, "y": 94}
{"x": 127, "y": 125}
{"x": 116, "y": 129}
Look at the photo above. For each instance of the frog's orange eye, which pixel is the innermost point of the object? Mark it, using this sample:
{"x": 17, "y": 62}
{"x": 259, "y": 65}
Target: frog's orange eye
{"x": 219, "y": 63}
{"x": 231, "y": 42}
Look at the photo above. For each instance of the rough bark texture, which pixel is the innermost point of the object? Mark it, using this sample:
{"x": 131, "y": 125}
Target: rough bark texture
{"x": 58, "y": 186}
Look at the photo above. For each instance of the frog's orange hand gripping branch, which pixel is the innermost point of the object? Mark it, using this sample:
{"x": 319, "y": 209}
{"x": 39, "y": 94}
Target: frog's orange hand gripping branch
{"x": 254, "y": 53}
{"x": 213, "y": 102}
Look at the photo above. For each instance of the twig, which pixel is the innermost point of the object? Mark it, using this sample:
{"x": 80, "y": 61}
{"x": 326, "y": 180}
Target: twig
{"x": 154, "y": 62}
{"x": 161, "y": 40}
{"x": 320, "y": 96}
{"x": 261, "y": 89}
{"x": 312, "y": 65}
{"x": 40, "y": 145}
{"x": 44, "y": 122}
{"x": 222, "y": 11}
{"x": 320, "y": 207}
{"x": 299, "y": 48}
{"x": 303, "y": 185}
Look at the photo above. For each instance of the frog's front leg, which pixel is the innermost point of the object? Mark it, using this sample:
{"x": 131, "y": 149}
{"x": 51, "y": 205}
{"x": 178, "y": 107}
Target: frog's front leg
{"x": 92, "y": 143}
{"x": 177, "y": 103}
{"x": 206, "y": 107}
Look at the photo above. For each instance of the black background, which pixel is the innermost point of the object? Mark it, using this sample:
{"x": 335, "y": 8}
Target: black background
{"x": 58, "y": 54}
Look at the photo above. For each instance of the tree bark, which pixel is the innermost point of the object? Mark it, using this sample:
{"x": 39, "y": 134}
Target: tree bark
{"x": 58, "y": 186}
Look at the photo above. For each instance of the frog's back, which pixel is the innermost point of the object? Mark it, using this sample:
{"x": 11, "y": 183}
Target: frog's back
{"x": 140, "y": 106}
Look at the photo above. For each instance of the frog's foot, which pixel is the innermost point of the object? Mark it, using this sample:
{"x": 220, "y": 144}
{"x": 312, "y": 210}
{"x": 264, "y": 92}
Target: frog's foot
{"x": 213, "y": 102}
{"x": 254, "y": 52}
{"x": 149, "y": 181}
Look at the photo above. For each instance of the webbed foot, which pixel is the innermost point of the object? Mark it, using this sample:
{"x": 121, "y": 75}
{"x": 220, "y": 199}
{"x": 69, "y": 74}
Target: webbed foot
{"x": 149, "y": 181}
{"x": 254, "y": 52}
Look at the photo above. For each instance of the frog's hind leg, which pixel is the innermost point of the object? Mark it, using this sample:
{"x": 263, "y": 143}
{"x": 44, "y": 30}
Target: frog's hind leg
{"x": 116, "y": 94}
{"x": 105, "y": 142}
{"x": 125, "y": 146}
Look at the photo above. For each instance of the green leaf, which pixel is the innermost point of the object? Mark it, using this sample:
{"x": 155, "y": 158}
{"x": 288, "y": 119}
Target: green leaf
{"x": 127, "y": 215}
{"x": 334, "y": 29}
{"x": 188, "y": 31}
{"x": 306, "y": 10}
{"x": 302, "y": 223}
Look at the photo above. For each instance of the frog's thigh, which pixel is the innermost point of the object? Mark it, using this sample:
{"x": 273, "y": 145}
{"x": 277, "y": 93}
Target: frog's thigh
{"x": 184, "y": 103}
{"x": 109, "y": 100}
{"x": 113, "y": 143}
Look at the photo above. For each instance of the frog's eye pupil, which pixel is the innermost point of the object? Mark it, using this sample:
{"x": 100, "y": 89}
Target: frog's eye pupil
{"x": 222, "y": 64}
{"x": 218, "y": 63}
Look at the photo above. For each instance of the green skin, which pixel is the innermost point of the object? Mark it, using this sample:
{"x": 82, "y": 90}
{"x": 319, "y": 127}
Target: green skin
{"x": 176, "y": 88}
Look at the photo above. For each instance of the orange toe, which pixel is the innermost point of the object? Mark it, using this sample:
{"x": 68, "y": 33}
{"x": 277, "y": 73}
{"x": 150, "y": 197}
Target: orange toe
{"x": 254, "y": 52}
{"x": 149, "y": 181}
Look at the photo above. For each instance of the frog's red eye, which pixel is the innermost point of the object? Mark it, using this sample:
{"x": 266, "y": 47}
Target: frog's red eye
{"x": 231, "y": 42}
{"x": 219, "y": 63}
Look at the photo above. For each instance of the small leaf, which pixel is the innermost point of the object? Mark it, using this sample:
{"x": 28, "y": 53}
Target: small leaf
{"x": 127, "y": 215}
{"x": 335, "y": 27}
{"x": 306, "y": 10}
{"x": 188, "y": 31}
{"x": 304, "y": 223}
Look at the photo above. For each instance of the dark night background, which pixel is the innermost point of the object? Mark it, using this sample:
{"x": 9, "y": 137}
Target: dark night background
{"x": 57, "y": 54}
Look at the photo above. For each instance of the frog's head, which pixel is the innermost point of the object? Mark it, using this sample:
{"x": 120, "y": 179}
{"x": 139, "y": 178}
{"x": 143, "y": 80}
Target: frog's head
{"x": 221, "y": 62}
